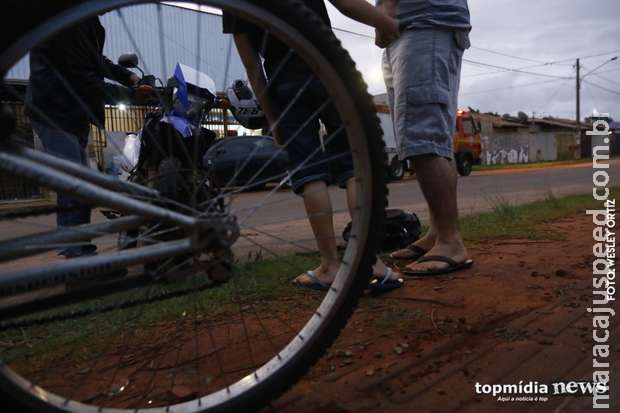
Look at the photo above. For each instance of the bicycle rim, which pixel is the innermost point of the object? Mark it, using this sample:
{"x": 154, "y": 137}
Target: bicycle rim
{"x": 187, "y": 341}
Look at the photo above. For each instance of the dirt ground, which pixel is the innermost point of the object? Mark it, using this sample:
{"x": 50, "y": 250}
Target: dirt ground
{"x": 518, "y": 314}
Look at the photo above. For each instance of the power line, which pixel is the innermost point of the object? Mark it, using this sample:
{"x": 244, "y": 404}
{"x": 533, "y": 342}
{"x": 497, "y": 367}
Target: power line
{"x": 508, "y": 55}
{"x": 538, "y": 62}
{"x": 605, "y": 78}
{"x": 554, "y": 62}
{"x": 518, "y": 86}
{"x": 554, "y": 94}
{"x": 588, "y": 57}
{"x": 610, "y": 70}
{"x": 502, "y": 69}
{"x": 601, "y": 87}
{"x": 613, "y": 59}
{"x": 508, "y": 69}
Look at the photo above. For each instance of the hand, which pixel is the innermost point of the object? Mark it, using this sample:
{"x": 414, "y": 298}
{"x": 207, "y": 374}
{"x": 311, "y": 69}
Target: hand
{"x": 145, "y": 93}
{"x": 387, "y": 33}
{"x": 134, "y": 79}
{"x": 380, "y": 39}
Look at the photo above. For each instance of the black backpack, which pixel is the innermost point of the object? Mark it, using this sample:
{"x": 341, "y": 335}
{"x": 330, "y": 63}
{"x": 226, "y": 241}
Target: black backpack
{"x": 401, "y": 229}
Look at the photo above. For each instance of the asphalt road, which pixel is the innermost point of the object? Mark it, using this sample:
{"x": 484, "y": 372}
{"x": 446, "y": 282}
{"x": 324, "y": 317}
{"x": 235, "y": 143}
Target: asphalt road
{"x": 282, "y": 219}
{"x": 478, "y": 192}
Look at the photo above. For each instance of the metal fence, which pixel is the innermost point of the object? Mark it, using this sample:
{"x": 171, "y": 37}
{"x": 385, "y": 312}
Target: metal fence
{"x": 130, "y": 119}
{"x": 117, "y": 119}
{"x": 15, "y": 188}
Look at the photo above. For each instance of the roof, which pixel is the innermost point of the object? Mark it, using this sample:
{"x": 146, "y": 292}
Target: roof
{"x": 498, "y": 122}
{"x": 503, "y": 123}
{"x": 562, "y": 123}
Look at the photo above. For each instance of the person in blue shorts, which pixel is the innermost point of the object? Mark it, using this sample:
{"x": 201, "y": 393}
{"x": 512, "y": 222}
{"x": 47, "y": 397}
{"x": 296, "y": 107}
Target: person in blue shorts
{"x": 422, "y": 73}
{"x": 298, "y": 129}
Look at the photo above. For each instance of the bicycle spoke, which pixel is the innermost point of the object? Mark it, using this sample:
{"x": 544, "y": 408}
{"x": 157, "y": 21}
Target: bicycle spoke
{"x": 206, "y": 312}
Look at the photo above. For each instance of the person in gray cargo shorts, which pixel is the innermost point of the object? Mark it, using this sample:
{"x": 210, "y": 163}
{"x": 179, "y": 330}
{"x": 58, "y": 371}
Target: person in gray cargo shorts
{"x": 422, "y": 73}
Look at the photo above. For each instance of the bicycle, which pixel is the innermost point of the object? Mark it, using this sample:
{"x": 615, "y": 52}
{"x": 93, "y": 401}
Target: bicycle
{"x": 178, "y": 337}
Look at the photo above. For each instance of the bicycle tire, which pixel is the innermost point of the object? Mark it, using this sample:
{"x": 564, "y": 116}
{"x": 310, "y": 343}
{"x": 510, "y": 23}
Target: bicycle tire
{"x": 311, "y": 27}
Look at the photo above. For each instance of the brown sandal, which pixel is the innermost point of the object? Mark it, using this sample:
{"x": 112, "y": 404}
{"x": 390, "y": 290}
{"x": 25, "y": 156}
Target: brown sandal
{"x": 453, "y": 266}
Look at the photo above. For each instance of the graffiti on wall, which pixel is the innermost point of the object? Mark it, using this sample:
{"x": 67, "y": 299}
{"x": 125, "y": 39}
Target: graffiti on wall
{"x": 503, "y": 154}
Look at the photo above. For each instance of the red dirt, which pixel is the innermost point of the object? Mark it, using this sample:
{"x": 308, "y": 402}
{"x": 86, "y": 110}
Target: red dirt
{"x": 518, "y": 314}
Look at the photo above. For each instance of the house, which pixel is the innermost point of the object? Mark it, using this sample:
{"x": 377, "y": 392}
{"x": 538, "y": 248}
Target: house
{"x": 614, "y": 138}
{"x": 559, "y": 138}
{"x": 502, "y": 140}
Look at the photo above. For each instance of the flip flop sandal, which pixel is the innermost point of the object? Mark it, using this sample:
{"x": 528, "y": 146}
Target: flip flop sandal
{"x": 381, "y": 285}
{"x": 453, "y": 266}
{"x": 316, "y": 284}
{"x": 417, "y": 251}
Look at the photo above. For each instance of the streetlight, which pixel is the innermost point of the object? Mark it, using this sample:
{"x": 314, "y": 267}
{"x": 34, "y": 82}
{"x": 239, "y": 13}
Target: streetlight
{"x": 599, "y": 66}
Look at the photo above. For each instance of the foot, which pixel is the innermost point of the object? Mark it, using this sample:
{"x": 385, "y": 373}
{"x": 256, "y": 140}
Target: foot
{"x": 380, "y": 269}
{"x": 324, "y": 274}
{"x": 417, "y": 249}
{"x": 454, "y": 250}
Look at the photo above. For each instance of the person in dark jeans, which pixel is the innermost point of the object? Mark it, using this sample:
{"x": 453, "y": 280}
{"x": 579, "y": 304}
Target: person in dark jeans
{"x": 313, "y": 162}
{"x": 65, "y": 95}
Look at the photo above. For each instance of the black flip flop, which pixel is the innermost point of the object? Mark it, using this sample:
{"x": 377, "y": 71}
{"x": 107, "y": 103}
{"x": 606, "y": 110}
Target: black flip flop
{"x": 453, "y": 266}
{"x": 419, "y": 251}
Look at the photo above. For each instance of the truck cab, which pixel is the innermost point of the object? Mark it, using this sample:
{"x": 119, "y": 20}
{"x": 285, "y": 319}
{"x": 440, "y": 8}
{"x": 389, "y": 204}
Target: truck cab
{"x": 466, "y": 142}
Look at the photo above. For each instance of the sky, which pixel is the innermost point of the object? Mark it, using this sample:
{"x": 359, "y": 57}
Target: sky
{"x": 541, "y": 37}
{"x": 532, "y": 33}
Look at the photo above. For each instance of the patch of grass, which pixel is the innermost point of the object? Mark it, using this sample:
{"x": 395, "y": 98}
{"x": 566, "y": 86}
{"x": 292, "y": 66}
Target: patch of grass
{"x": 266, "y": 284}
{"x": 260, "y": 284}
{"x": 526, "y": 221}
{"x": 532, "y": 165}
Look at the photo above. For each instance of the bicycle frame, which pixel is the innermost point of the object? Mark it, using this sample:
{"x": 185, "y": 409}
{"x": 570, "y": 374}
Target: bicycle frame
{"x": 63, "y": 175}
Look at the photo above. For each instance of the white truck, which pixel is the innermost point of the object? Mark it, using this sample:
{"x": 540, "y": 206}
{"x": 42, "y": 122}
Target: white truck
{"x": 396, "y": 166}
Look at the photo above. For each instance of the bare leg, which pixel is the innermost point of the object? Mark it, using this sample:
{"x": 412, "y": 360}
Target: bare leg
{"x": 437, "y": 178}
{"x": 320, "y": 214}
{"x": 425, "y": 243}
{"x": 380, "y": 267}
{"x": 319, "y": 210}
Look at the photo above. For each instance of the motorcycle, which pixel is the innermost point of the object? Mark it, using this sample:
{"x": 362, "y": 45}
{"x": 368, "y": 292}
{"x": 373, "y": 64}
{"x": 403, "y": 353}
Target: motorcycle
{"x": 167, "y": 153}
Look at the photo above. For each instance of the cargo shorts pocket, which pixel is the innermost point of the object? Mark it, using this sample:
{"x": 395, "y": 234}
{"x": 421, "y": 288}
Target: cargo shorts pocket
{"x": 428, "y": 118}
{"x": 433, "y": 93}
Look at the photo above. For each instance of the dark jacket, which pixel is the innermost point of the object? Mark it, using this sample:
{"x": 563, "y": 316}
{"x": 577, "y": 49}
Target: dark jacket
{"x": 67, "y": 72}
{"x": 273, "y": 51}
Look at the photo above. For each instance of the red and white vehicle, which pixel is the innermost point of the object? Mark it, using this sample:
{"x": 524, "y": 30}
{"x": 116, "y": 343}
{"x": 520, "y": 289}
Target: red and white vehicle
{"x": 466, "y": 144}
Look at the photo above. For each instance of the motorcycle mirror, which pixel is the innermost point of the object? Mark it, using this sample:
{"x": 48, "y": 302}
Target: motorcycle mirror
{"x": 128, "y": 60}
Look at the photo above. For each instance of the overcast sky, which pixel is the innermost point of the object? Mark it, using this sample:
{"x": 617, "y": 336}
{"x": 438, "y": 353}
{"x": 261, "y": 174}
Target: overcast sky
{"x": 535, "y": 31}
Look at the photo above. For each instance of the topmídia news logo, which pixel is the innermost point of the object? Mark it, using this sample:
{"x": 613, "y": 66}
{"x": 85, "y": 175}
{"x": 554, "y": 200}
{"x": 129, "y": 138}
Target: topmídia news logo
{"x": 533, "y": 391}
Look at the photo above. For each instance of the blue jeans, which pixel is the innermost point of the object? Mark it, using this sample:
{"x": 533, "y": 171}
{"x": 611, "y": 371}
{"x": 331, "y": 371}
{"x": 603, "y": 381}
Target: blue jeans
{"x": 73, "y": 148}
{"x": 300, "y": 131}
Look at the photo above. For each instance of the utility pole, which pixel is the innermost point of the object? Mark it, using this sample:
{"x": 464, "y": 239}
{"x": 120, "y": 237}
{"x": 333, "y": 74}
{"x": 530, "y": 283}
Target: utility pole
{"x": 578, "y": 86}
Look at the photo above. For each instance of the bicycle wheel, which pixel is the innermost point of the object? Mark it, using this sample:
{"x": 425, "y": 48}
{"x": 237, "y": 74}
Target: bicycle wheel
{"x": 216, "y": 324}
